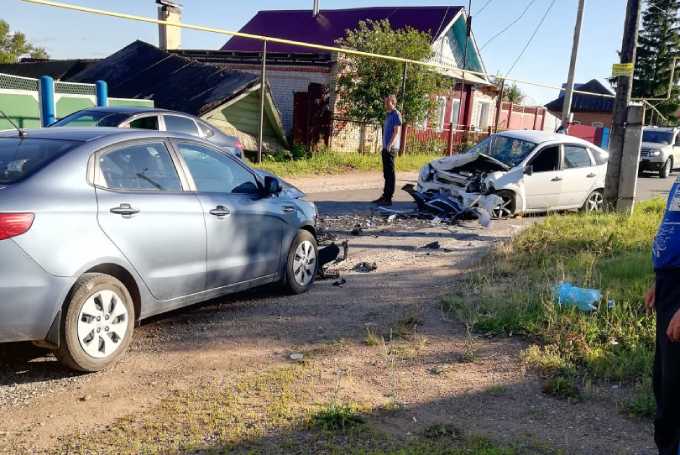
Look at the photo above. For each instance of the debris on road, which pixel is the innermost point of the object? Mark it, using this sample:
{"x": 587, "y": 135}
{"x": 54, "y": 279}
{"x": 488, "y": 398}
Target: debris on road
{"x": 568, "y": 295}
{"x": 297, "y": 357}
{"x": 340, "y": 282}
{"x": 366, "y": 267}
{"x": 357, "y": 231}
{"x": 432, "y": 246}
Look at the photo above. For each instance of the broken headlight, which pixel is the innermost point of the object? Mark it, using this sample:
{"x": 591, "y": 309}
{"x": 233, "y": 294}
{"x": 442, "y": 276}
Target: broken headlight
{"x": 426, "y": 173}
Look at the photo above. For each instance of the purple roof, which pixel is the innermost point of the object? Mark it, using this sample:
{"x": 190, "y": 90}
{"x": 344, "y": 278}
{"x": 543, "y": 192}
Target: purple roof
{"x": 329, "y": 25}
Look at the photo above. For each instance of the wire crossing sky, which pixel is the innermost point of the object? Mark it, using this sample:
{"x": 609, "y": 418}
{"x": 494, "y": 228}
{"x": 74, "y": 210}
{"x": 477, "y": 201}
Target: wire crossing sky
{"x": 73, "y": 35}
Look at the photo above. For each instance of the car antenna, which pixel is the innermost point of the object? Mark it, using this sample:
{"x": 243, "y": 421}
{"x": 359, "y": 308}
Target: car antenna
{"x": 21, "y": 131}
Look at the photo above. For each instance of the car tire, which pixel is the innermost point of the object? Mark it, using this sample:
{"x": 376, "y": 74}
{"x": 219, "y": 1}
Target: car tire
{"x": 302, "y": 263}
{"x": 665, "y": 170}
{"x": 97, "y": 323}
{"x": 508, "y": 208}
{"x": 594, "y": 202}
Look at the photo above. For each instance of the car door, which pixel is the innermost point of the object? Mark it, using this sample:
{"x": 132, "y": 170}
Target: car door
{"x": 579, "y": 173}
{"x": 244, "y": 228}
{"x": 543, "y": 185}
{"x": 144, "y": 210}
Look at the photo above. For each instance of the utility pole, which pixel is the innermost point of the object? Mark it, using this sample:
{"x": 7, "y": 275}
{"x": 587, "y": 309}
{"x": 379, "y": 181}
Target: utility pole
{"x": 569, "y": 94}
{"x": 624, "y": 90}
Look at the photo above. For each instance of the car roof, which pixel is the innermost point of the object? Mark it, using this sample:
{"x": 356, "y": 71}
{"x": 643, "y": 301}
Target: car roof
{"x": 91, "y": 134}
{"x": 540, "y": 137}
{"x": 130, "y": 110}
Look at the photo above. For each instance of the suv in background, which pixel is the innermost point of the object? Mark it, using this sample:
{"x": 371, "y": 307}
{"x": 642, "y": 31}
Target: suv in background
{"x": 147, "y": 118}
{"x": 660, "y": 150}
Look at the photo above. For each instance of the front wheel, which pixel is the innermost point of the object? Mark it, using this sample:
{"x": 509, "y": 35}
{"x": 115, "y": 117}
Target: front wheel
{"x": 594, "y": 203}
{"x": 302, "y": 263}
{"x": 97, "y": 323}
{"x": 506, "y": 209}
{"x": 665, "y": 171}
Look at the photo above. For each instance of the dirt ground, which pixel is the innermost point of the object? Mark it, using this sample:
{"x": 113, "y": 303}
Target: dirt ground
{"x": 491, "y": 394}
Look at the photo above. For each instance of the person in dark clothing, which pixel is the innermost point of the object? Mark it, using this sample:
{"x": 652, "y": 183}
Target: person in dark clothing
{"x": 664, "y": 297}
{"x": 391, "y": 143}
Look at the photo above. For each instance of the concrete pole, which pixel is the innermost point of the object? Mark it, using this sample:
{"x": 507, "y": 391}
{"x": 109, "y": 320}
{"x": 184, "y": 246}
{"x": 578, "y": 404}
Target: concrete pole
{"x": 499, "y": 106}
{"x": 624, "y": 90}
{"x": 263, "y": 94}
{"x": 402, "y": 133}
{"x": 630, "y": 159}
{"x": 569, "y": 94}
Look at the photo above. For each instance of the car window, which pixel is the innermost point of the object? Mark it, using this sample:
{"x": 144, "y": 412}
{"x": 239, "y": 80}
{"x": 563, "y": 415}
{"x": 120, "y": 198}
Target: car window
{"x": 179, "y": 124}
{"x": 576, "y": 156}
{"x": 140, "y": 167}
{"x": 600, "y": 156}
{"x": 214, "y": 172}
{"x": 677, "y": 140}
{"x": 19, "y": 158}
{"x": 547, "y": 159}
{"x": 145, "y": 123}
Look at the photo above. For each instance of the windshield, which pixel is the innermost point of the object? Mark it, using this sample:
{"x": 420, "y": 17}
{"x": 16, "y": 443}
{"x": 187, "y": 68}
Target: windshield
{"x": 507, "y": 150}
{"x": 657, "y": 137}
{"x": 19, "y": 158}
{"x": 92, "y": 118}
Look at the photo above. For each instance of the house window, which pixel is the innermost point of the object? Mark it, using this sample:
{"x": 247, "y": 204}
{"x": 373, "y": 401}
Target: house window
{"x": 598, "y": 124}
{"x": 440, "y": 113}
{"x": 455, "y": 113}
{"x": 482, "y": 115}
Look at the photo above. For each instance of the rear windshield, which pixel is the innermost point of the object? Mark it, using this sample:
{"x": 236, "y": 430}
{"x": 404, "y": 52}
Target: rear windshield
{"x": 19, "y": 158}
{"x": 92, "y": 118}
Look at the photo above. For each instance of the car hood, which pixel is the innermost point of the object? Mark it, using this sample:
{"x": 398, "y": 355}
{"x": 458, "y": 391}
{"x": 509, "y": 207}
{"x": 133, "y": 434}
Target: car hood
{"x": 287, "y": 189}
{"x": 469, "y": 162}
{"x": 654, "y": 146}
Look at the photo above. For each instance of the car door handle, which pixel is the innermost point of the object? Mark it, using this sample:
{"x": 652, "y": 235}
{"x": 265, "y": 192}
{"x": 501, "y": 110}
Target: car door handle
{"x": 556, "y": 179}
{"x": 590, "y": 176}
{"x": 220, "y": 211}
{"x": 125, "y": 210}
{"x": 288, "y": 209}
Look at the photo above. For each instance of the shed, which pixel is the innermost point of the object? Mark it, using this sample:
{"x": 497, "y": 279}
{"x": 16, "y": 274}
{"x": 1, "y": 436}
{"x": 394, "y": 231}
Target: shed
{"x": 228, "y": 99}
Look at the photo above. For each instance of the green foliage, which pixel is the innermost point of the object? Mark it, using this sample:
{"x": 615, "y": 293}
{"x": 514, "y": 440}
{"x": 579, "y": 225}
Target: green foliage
{"x": 364, "y": 82}
{"x": 13, "y": 46}
{"x": 642, "y": 404}
{"x": 563, "y": 387}
{"x": 659, "y": 43}
{"x": 514, "y": 94}
{"x": 337, "y": 417}
{"x": 610, "y": 252}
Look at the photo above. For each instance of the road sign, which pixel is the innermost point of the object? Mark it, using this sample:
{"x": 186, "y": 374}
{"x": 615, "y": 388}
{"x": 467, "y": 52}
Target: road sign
{"x": 623, "y": 69}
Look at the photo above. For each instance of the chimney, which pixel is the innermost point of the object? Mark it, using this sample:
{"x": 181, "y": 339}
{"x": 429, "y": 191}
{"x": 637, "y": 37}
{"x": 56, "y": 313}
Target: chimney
{"x": 169, "y": 37}
{"x": 315, "y": 11}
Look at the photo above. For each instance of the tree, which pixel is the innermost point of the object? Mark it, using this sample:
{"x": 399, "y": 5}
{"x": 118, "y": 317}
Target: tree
{"x": 364, "y": 82}
{"x": 15, "y": 45}
{"x": 514, "y": 95}
{"x": 658, "y": 45}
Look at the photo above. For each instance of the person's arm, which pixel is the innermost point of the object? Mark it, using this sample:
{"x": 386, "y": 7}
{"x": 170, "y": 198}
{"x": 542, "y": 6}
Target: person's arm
{"x": 673, "y": 331}
{"x": 395, "y": 134}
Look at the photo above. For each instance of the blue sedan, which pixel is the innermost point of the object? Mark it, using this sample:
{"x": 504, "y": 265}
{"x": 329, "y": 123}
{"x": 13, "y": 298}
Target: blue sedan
{"x": 103, "y": 227}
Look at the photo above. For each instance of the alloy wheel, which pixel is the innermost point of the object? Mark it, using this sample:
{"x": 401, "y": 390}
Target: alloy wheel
{"x": 595, "y": 202}
{"x": 102, "y": 324}
{"x": 304, "y": 263}
{"x": 503, "y": 210}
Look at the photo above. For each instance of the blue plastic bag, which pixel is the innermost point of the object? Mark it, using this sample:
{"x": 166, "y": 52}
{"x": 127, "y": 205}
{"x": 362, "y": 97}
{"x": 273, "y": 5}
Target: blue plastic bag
{"x": 567, "y": 295}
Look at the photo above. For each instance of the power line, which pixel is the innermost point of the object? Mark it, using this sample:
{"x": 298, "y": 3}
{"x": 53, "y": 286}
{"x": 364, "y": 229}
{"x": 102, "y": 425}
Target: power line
{"x": 531, "y": 2}
{"x": 531, "y": 38}
{"x": 482, "y": 8}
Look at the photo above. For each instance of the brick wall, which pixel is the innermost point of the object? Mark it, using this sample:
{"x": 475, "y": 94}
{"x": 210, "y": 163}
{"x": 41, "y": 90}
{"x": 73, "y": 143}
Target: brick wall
{"x": 591, "y": 118}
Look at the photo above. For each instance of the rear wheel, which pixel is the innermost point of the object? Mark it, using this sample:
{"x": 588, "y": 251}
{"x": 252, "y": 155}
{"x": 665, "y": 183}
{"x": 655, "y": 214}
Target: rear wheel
{"x": 594, "y": 203}
{"x": 665, "y": 170}
{"x": 302, "y": 263}
{"x": 505, "y": 209}
{"x": 97, "y": 323}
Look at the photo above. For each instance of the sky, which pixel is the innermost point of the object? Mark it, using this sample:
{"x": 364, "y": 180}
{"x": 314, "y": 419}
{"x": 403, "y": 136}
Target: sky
{"x": 68, "y": 34}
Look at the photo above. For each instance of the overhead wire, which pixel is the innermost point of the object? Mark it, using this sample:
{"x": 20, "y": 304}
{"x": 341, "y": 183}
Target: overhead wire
{"x": 509, "y": 26}
{"x": 488, "y": 2}
{"x": 531, "y": 38}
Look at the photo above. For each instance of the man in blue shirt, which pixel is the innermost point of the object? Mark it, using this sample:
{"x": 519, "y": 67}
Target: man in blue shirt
{"x": 665, "y": 299}
{"x": 391, "y": 142}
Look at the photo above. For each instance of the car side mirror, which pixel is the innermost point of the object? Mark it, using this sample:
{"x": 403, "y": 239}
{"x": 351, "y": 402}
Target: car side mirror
{"x": 272, "y": 185}
{"x": 529, "y": 170}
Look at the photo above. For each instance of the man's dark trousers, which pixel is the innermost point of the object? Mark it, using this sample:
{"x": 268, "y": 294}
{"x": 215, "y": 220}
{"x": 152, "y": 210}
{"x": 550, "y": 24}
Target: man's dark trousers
{"x": 667, "y": 364}
{"x": 388, "y": 157}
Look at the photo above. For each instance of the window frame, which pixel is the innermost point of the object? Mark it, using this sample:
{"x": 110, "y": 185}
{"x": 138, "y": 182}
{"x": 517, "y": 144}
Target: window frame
{"x": 175, "y": 143}
{"x": 560, "y": 158}
{"x": 134, "y": 118}
{"x": 98, "y": 180}
{"x": 165, "y": 125}
{"x": 563, "y": 163}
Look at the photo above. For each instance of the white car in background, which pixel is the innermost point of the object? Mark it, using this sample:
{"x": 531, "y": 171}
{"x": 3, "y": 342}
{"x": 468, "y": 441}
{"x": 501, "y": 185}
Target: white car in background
{"x": 660, "y": 151}
{"x": 532, "y": 171}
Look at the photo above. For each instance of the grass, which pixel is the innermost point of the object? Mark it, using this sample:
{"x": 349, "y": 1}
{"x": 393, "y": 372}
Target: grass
{"x": 512, "y": 294}
{"x": 337, "y": 417}
{"x": 338, "y": 163}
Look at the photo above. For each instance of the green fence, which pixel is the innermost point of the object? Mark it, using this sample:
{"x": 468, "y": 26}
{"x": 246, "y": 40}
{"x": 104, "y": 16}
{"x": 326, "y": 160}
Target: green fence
{"x": 20, "y": 100}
